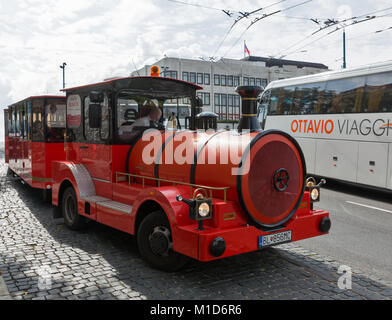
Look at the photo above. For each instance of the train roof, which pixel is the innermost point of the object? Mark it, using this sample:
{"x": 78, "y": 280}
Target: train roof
{"x": 332, "y": 75}
{"x": 137, "y": 83}
{"x": 40, "y": 97}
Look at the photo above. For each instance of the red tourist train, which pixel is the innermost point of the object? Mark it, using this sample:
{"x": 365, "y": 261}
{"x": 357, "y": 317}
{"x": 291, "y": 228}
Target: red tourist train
{"x": 201, "y": 194}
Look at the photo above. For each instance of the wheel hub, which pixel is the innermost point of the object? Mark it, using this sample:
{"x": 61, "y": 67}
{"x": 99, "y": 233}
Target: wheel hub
{"x": 160, "y": 241}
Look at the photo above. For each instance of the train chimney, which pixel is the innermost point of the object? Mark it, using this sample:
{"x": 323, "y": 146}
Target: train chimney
{"x": 249, "y": 96}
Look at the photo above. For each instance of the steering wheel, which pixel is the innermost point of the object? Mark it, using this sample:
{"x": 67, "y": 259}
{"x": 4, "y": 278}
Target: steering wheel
{"x": 131, "y": 115}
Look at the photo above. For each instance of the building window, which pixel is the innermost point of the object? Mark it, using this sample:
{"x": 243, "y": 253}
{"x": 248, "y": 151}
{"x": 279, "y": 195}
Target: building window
{"x": 207, "y": 78}
{"x": 258, "y": 82}
{"x": 171, "y": 74}
{"x": 217, "y": 103}
{"x": 206, "y": 101}
{"x": 236, "y": 107}
{"x": 192, "y": 77}
{"x": 230, "y": 104}
{"x": 224, "y": 100}
{"x": 264, "y": 82}
{"x": 223, "y": 80}
{"x": 246, "y": 81}
{"x": 251, "y": 81}
{"x": 199, "y": 78}
{"x": 205, "y": 97}
{"x": 216, "y": 80}
{"x": 236, "y": 81}
{"x": 185, "y": 76}
{"x": 230, "y": 81}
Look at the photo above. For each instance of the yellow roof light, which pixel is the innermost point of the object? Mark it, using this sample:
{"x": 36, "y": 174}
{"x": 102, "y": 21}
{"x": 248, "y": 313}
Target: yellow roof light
{"x": 154, "y": 71}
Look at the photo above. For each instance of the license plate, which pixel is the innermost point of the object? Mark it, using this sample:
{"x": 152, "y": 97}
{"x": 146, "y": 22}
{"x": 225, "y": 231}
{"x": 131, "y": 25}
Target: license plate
{"x": 274, "y": 239}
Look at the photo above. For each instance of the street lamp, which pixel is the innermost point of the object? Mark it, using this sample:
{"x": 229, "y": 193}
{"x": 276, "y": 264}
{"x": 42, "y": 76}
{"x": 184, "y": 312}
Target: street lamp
{"x": 63, "y": 67}
{"x": 164, "y": 70}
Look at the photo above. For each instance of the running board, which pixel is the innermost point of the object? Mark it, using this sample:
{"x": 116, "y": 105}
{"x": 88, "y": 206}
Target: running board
{"x": 108, "y": 203}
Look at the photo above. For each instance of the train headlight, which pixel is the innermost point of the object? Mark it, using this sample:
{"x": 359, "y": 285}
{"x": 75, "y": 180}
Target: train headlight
{"x": 204, "y": 209}
{"x": 315, "y": 194}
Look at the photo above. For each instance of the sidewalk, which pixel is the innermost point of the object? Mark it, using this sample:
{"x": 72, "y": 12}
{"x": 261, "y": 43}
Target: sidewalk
{"x": 4, "y": 294}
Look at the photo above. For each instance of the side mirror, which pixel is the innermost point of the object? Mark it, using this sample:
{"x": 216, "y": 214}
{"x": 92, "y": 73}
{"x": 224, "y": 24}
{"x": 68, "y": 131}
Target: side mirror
{"x": 96, "y": 97}
{"x": 95, "y": 116}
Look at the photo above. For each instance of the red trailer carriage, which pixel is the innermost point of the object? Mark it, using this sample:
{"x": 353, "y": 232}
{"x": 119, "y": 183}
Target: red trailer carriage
{"x": 159, "y": 186}
{"x": 35, "y": 130}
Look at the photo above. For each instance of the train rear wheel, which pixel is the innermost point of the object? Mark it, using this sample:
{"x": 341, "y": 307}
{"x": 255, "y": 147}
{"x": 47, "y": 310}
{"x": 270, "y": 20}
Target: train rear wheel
{"x": 69, "y": 207}
{"x": 155, "y": 243}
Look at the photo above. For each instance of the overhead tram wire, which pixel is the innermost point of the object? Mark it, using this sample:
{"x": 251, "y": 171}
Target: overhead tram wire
{"x": 332, "y": 22}
{"x": 239, "y": 19}
{"x": 310, "y": 35}
{"x": 200, "y": 6}
{"x": 263, "y": 17}
{"x": 322, "y": 37}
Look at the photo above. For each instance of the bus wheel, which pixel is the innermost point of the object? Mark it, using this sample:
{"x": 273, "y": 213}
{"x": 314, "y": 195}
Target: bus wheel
{"x": 155, "y": 243}
{"x": 69, "y": 207}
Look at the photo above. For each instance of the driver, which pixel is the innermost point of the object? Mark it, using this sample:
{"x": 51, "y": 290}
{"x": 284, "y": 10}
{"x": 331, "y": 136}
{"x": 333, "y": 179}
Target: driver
{"x": 150, "y": 121}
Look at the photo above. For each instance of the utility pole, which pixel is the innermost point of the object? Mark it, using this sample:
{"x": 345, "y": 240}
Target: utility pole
{"x": 344, "y": 49}
{"x": 63, "y": 67}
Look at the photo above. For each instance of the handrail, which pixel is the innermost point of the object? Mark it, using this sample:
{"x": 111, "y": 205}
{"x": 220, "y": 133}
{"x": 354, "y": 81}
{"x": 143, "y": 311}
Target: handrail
{"x": 191, "y": 185}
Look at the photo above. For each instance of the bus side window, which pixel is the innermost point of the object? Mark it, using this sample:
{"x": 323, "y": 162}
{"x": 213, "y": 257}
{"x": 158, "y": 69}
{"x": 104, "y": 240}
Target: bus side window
{"x": 274, "y": 101}
{"x": 263, "y": 108}
{"x": 352, "y": 94}
{"x": 378, "y": 93}
{"x": 331, "y": 97}
{"x": 286, "y": 101}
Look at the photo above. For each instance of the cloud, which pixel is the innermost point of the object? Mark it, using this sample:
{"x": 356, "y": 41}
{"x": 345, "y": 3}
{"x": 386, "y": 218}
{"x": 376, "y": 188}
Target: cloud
{"x": 102, "y": 38}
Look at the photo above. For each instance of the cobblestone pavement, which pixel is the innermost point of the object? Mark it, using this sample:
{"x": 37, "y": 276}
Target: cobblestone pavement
{"x": 41, "y": 259}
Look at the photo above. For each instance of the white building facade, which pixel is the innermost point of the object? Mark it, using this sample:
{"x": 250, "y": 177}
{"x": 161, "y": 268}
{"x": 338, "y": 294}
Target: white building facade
{"x": 220, "y": 79}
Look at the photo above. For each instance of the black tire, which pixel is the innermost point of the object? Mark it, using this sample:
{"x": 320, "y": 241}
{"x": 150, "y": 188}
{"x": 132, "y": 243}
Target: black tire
{"x": 69, "y": 208}
{"x": 170, "y": 261}
{"x": 9, "y": 172}
{"x": 47, "y": 196}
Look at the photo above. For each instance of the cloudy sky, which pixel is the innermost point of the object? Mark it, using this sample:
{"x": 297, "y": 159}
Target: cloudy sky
{"x": 103, "y": 38}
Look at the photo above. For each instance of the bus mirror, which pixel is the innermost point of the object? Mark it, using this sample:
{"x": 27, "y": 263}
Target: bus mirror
{"x": 96, "y": 97}
{"x": 94, "y": 116}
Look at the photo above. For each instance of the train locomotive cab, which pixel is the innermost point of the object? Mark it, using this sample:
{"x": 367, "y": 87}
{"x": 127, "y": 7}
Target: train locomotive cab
{"x": 201, "y": 194}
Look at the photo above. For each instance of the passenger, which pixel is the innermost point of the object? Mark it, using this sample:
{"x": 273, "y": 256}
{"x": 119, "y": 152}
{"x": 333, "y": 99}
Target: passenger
{"x": 173, "y": 122}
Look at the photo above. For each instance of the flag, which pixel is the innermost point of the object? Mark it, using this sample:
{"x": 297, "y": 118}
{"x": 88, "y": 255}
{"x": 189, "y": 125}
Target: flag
{"x": 246, "y": 50}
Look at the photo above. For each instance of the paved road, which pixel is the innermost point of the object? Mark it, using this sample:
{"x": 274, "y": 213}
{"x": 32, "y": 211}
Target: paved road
{"x": 41, "y": 259}
{"x": 361, "y": 233}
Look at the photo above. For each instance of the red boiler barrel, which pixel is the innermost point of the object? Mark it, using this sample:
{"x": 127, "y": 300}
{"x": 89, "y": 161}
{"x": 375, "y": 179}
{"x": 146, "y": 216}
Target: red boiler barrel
{"x": 265, "y": 171}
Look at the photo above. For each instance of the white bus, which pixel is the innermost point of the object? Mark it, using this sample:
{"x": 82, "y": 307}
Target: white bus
{"x": 342, "y": 120}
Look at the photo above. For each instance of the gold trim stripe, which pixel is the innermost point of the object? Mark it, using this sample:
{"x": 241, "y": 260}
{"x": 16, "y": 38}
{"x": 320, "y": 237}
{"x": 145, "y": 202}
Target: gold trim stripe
{"x": 41, "y": 179}
{"x": 249, "y": 115}
{"x": 249, "y": 99}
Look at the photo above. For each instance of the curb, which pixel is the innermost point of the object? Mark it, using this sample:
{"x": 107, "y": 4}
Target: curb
{"x": 4, "y": 294}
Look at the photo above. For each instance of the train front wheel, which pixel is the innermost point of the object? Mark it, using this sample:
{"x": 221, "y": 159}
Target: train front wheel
{"x": 155, "y": 243}
{"x": 69, "y": 207}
